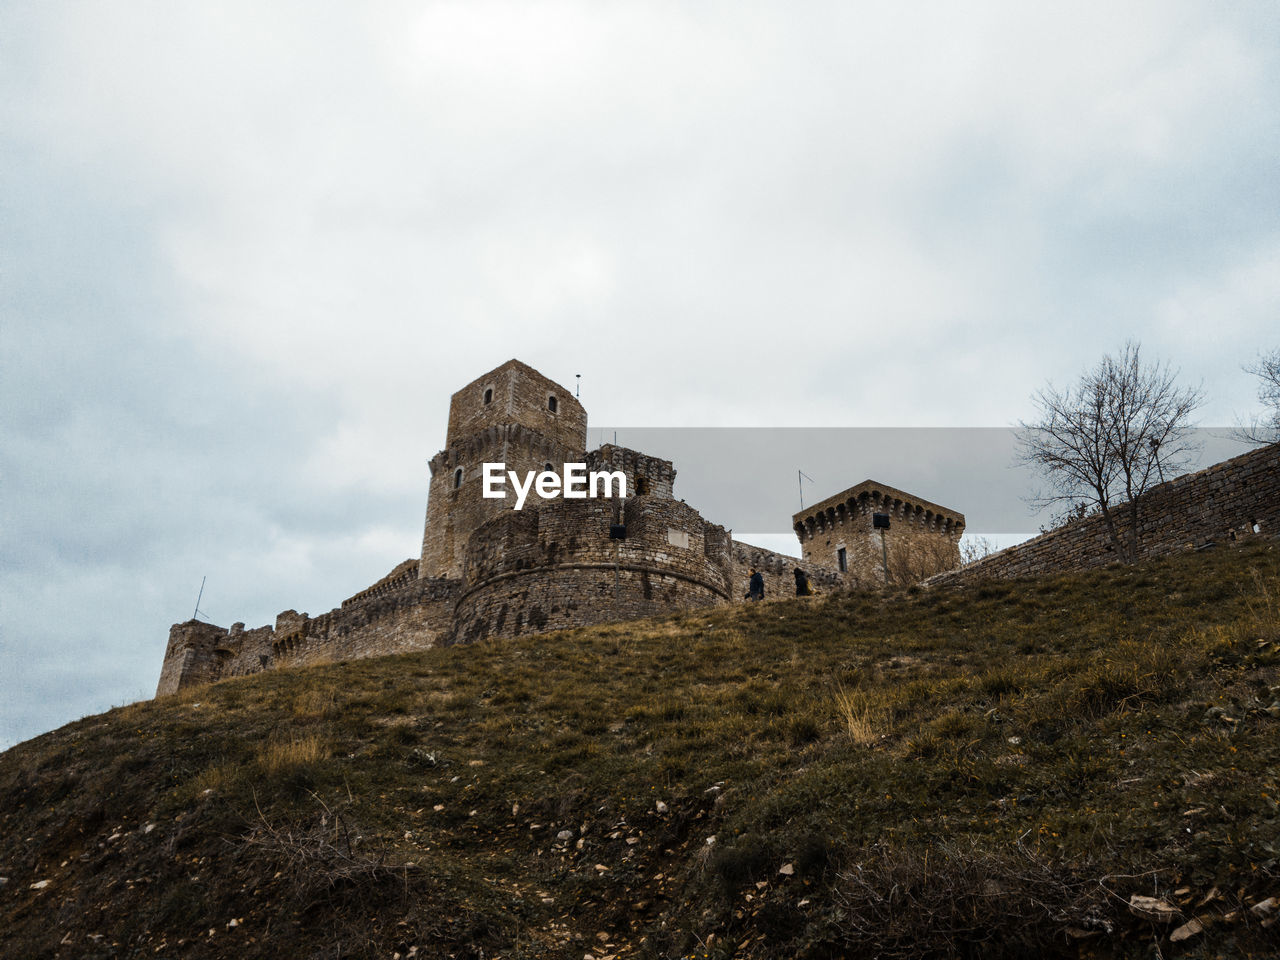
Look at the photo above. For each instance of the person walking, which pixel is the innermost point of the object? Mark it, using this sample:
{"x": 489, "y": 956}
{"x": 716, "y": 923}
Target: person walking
{"x": 802, "y": 584}
{"x": 755, "y": 589}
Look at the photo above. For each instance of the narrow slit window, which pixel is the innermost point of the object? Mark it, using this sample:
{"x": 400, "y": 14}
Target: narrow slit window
{"x": 552, "y": 403}
{"x": 488, "y": 396}
{"x": 457, "y": 478}
{"x": 842, "y": 560}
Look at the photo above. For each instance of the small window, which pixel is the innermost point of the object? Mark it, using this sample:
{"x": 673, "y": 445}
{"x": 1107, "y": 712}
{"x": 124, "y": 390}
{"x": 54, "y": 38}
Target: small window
{"x": 552, "y": 404}
{"x": 548, "y": 468}
{"x": 488, "y": 396}
{"x": 842, "y": 560}
{"x": 457, "y": 478}
{"x": 642, "y": 486}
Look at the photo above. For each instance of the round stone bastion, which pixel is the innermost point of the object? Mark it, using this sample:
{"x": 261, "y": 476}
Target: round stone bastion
{"x": 573, "y": 563}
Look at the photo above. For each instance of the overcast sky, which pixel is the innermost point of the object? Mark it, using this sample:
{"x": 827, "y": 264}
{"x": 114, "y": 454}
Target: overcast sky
{"x": 248, "y": 250}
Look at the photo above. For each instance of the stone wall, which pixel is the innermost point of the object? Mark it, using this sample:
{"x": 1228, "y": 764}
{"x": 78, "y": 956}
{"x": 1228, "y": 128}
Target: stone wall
{"x": 456, "y": 506}
{"x": 1236, "y": 499}
{"x": 396, "y": 615}
{"x": 557, "y": 566}
{"x": 778, "y": 571}
{"x": 646, "y": 475}
{"x": 517, "y": 393}
{"x": 923, "y": 538}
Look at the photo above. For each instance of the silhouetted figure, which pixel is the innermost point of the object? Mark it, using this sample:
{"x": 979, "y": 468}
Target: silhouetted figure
{"x": 802, "y": 584}
{"x": 755, "y": 590}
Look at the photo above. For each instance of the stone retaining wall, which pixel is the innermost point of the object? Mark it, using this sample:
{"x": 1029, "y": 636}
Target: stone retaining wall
{"x": 1231, "y": 500}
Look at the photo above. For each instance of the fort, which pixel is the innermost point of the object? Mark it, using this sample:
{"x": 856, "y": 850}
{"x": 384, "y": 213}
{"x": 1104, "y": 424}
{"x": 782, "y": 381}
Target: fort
{"x": 488, "y": 570}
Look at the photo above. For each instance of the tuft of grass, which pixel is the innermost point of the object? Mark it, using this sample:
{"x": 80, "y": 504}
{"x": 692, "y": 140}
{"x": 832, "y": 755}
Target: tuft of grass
{"x": 861, "y": 719}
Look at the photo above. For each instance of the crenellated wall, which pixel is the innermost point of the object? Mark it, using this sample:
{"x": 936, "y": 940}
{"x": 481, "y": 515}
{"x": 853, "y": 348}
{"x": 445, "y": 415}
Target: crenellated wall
{"x": 1232, "y": 500}
{"x": 557, "y": 566}
{"x": 399, "y": 613}
{"x": 778, "y": 571}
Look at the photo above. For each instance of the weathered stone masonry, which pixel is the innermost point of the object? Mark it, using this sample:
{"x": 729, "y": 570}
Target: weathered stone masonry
{"x": 1229, "y": 501}
{"x": 923, "y": 538}
{"x": 487, "y": 570}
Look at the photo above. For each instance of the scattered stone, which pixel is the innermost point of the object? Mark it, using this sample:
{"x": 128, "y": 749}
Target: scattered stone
{"x": 711, "y": 840}
{"x": 148, "y": 828}
{"x": 515, "y": 809}
{"x": 1153, "y": 908}
{"x": 475, "y": 763}
{"x": 660, "y": 807}
{"x": 438, "y": 807}
{"x": 787, "y": 869}
{"x": 564, "y": 835}
{"x": 1187, "y": 931}
{"x": 1264, "y": 907}
{"x": 40, "y": 884}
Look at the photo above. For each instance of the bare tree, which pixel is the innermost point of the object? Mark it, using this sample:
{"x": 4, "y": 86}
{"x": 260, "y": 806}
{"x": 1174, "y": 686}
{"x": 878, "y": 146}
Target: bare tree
{"x": 1266, "y": 429}
{"x": 1102, "y": 444}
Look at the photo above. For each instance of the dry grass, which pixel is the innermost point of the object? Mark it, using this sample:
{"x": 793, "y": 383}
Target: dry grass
{"x": 862, "y": 716}
{"x": 283, "y": 756}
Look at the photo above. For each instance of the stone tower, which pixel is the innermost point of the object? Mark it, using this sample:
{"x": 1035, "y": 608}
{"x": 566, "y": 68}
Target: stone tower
{"x": 839, "y": 533}
{"x": 511, "y": 415}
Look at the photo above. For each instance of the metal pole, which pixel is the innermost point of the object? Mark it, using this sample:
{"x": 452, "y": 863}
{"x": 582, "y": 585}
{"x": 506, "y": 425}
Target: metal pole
{"x": 198, "y": 597}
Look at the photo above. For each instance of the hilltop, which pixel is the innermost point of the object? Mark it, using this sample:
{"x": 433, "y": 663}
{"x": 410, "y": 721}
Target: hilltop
{"x": 1077, "y": 765}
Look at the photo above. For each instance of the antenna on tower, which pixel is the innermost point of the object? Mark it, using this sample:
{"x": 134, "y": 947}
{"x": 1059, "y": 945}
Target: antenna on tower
{"x": 195, "y": 614}
{"x": 801, "y": 477}
{"x": 577, "y": 386}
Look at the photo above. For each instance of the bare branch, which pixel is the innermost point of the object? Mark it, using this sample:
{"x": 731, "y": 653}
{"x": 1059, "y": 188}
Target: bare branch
{"x": 1125, "y": 427}
{"x": 1265, "y": 428}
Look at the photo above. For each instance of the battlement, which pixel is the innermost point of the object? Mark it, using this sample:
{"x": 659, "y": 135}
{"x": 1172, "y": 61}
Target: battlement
{"x": 645, "y": 475}
{"x": 579, "y": 562}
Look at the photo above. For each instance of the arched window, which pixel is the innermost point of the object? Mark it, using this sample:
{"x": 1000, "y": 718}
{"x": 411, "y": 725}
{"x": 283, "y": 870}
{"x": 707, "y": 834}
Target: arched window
{"x": 488, "y": 395}
{"x": 548, "y": 468}
{"x": 457, "y": 478}
{"x": 552, "y": 403}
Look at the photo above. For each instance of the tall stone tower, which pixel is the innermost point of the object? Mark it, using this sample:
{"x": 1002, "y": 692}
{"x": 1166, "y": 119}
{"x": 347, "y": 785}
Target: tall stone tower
{"x": 512, "y": 415}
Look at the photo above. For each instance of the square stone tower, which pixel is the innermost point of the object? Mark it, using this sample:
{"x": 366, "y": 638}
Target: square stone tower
{"x": 839, "y": 533}
{"x": 512, "y": 415}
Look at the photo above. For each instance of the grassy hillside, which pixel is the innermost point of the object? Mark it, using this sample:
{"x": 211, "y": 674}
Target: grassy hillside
{"x": 973, "y": 772}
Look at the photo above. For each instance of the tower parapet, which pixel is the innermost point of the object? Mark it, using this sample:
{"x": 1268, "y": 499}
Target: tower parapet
{"x": 923, "y": 538}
